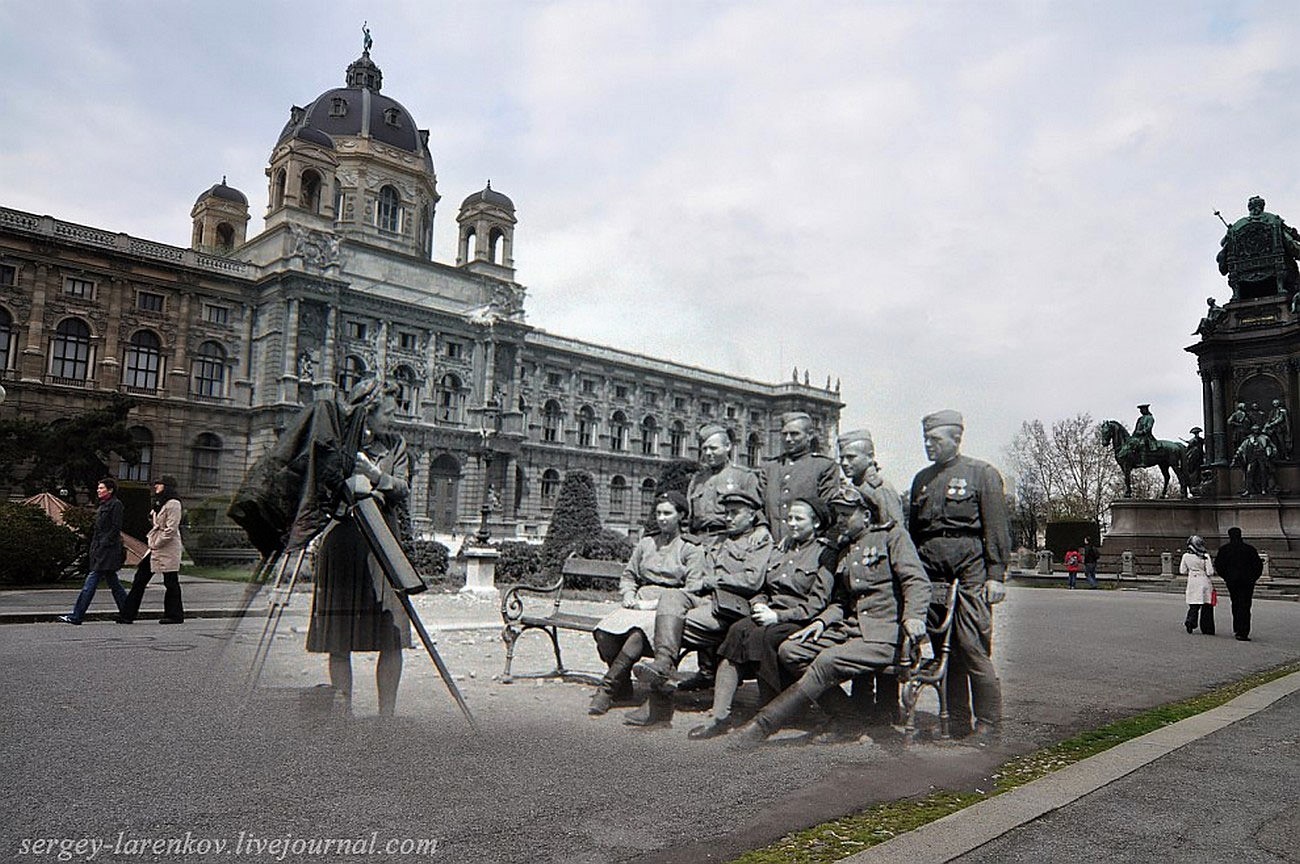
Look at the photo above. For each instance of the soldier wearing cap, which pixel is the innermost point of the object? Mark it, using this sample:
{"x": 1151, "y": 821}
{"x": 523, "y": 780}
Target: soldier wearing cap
{"x": 688, "y": 617}
{"x": 799, "y": 472}
{"x": 858, "y": 462}
{"x": 717, "y": 476}
{"x": 958, "y": 520}
{"x": 879, "y": 601}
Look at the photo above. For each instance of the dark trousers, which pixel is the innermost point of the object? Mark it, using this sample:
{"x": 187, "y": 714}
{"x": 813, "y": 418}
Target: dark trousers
{"x": 1242, "y": 595}
{"x": 1206, "y": 614}
{"x": 173, "y": 608}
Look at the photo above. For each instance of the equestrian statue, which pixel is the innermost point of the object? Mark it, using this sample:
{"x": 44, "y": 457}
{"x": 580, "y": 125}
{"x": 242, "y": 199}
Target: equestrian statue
{"x": 1144, "y": 450}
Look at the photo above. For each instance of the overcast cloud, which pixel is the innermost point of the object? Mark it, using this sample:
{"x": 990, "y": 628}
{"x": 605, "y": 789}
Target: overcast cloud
{"x": 1005, "y": 208}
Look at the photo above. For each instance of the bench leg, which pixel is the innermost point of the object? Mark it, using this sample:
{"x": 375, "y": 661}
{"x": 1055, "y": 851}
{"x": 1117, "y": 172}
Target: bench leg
{"x": 941, "y": 688}
{"x": 509, "y": 635}
{"x": 554, "y": 633}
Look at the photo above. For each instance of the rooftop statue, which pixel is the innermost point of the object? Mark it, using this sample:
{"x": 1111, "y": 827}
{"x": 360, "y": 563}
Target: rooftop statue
{"x": 1259, "y": 253}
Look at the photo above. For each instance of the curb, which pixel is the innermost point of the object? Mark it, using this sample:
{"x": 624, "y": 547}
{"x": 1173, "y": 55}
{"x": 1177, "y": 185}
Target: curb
{"x": 966, "y": 830}
{"x": 52, "y": 617}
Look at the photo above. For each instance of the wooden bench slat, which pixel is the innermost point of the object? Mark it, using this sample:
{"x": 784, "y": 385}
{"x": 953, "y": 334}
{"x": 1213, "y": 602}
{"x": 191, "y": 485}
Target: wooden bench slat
{"x": 589, "y": 567}
{"x": 562, "y": 619}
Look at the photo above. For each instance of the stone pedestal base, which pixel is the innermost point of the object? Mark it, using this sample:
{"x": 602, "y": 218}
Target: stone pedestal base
{"x": 480, "y": 571}
{"x": 1268, "y": 523}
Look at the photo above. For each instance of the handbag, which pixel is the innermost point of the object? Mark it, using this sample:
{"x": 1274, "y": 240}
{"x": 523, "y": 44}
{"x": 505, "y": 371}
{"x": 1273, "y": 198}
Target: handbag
{"x": 1214, "y": 596}
{"x": 730, "y": 605}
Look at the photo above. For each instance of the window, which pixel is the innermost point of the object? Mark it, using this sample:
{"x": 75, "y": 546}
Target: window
{"x": 677, "y": 439}
{"x": 455, "y": 350}
{"x": 408, "y": 390}
{"x": 755, "y": 418}
{"x": 216, "y": 314}
{"x": 70, "y": 351}
{"x": 205, "y": 461}
{"x": 706, "y": 407}
{"x": 617, "y": 496}
{"x": 277, "y": 196}
{"x": 408, "y": 341}
{"x": 142, "y": 470}
{"x": 354, "y": 369}
{"x": 355, "y": 329}
{"x": 8, "y": 274}
{"x": 142, "y": 369}
{"x": 618, "y": 432}
{"x": 588, "y": 387}
{"x": 451, "y": 399}
{"x": 753, "y": 450}
{"x": 393, "y": 117}
{"x": 74, "y": 287}
{"x": 550, "y": 488}
{"x": 647, "y": 497}
{"x": 552, "y": 424}
{"x": 338, "y": 107}
{"x": 731, "y": 412}
{"x": 586, "y": 427}
{"x": 147, "y": 301}
{"x": 388, "y": 213}
{"x": 554, "y": 379}
{"x": 225, "y": 237}
{"x": 651, "y": 398}
{"x": 6, "y": 340}
{"x": 620, "y": 391}
{"x": 679, "y": 403}
{"x": 309, "y": 195}
{"x": 338, "y": 201}
{"x": 649, "y": 437}
{"x": 208, "y": 372}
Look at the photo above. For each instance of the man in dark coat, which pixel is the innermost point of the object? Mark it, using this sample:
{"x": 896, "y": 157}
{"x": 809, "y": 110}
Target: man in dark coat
{"x": 799, "y": 472}
{"x": 1240, "y": 566}
{"x": 106, "y": 552}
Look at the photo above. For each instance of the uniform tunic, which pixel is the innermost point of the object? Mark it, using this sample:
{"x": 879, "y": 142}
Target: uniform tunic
{"x": 708, "y": 516}
{"x": 811, "y": 475}
{"x": 882, "y": 495}
{"x": 654, "y": 567}
{"x": 738, "y": 563}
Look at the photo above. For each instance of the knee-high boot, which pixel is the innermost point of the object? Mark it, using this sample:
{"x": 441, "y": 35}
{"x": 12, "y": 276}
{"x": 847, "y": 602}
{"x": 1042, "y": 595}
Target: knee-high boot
{"x": 776, "y": 714}
{"x": 668, "y": 644}
{"x": 657, "y": 710}
{"x": 616, "y": 685}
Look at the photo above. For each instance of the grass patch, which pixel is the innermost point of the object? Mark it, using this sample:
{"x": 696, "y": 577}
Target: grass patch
{"x": 227, "y": 573}
{"x": 841, "y": 838}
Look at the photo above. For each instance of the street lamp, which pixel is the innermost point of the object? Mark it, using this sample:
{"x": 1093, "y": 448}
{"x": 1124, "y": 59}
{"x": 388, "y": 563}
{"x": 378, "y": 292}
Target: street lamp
{"x": 489, "y": 426}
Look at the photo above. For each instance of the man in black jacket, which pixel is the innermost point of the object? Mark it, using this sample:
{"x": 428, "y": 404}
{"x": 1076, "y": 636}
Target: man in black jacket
{"x": 1240, "y": 566}
{"x": 106, "y": 552}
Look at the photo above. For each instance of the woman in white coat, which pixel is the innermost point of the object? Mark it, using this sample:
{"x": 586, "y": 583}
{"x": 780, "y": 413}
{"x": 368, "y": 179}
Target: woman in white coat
{"x": 165, "y": 547}
{"x": 1198, "y": 567}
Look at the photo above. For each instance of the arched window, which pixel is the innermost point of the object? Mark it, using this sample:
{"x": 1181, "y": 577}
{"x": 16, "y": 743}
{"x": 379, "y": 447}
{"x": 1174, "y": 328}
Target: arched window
{"x": 408, "y": 390}
{"x": 205, "y": 461}
{"x": 753, "y": 450}
{"x": 309, "y": 197}
{"x": 225, "y": 237}
{"x": 70, "y": 351}
{"x": 649, "y": 436}
{"x": 451, "y": 399}
{"x": 618, "y": 496}
{"x": 677, "y": 439}
{"x": 208, "y": 372}
{"x": 6, "y": 339}
{"x": 586, "y": 427}
{"x": 647, "y": 497}
{"x": 552, "y": 422}
{"x": 471, "y": 244}
{"x": 277, "y": 193}
{"x": 142, "y": 366}
{"x": 494, "y": 246}
{"x": 388, "y": 214}
{"x": 142, "y": 470}
{"x": 618, "y": 432}
{"x": 338, "y": 201}
{"x": 550, "y": 488}
{"x": 354, "y": 369}
{"x": 444, "y": 485}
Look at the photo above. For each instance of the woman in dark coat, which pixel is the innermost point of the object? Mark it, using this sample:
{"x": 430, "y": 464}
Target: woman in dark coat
{"x": 796, "y": 587}
{"x": 106, "y": 552}
{"x": 353, "y": 606}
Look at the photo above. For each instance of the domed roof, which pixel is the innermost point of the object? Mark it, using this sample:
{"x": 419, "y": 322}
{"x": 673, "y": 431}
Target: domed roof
{"x": 315, "y": 136}
{"x": 226, "y": 193}
{"x": 488, "y": 196}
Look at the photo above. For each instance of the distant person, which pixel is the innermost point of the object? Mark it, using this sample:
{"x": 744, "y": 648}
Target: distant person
{"x": 1073, "y": 564}
{"x": 1240, "y": 565}
{"x": 1090, "y": 558}
{"x": 1198, "y": 568}
{"x": 106, "y": 552}
{"x": 165, "y": 550}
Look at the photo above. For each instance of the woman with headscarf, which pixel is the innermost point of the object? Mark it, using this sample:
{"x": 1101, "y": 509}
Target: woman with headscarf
{"x": 796, "y": 587}
{"x": 353, "y": 606}
{"x": 165, "y": 550}
{"x": 659, "y": 561}
{"x": 1198, "y": 567}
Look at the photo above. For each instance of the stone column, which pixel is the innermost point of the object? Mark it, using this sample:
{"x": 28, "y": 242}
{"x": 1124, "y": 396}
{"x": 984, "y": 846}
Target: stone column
{"x": 289, "y": 355}
{"x": 1210, "y": 422}
{"x": 178, "y": 377}
{"x": 110, "y": 367}
{"x": 31, "y": 367}
{"x": 1220, "y": 444}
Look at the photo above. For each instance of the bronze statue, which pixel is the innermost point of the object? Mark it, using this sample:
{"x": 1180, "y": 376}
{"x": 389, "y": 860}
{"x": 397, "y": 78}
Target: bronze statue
{"x": 1164, "y": 455}
{"x": 1278, "y": 429}
{"x": 1143, "y": 441}
{"x": 1259, "y": 253}
{"x": 1239, "y": 424}
{"x": 1255, "y": 458}
{"x": 1194, "y": 462}
{"x": 1211, "y": 320}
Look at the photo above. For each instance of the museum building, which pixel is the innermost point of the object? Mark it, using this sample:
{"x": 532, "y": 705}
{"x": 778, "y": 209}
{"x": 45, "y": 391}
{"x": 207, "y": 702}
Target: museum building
{"x": 222, "y": 343}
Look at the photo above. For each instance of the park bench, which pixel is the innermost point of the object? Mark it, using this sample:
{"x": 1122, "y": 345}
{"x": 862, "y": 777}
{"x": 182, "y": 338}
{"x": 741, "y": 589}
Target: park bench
{"x": 921, "y": 672}
{"x": 520, "y": 615}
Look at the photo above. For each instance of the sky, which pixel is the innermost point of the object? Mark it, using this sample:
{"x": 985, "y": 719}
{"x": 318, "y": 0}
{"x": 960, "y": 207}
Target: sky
{"x": 1003, "y": 208}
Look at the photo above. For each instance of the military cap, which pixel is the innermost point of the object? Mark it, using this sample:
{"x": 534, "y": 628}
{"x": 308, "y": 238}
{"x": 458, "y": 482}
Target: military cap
{"x": 794, "y": 416}
{"x": 856, "y": 435}
{"x": 820, "y": 511}
{"x": 946, "y": 417}
{"x": 740, "y": 496}
{"x": 708, "y": 430}
{"x": 1144, "y": 406}
{"x": 847, "y": 495}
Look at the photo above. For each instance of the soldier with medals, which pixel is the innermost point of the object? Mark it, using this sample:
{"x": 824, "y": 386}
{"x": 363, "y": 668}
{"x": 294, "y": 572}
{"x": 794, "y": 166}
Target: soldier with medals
{"x": 958, "y": 520}
{"x": 799, "y": 472}
{"x": 718, "y": 475}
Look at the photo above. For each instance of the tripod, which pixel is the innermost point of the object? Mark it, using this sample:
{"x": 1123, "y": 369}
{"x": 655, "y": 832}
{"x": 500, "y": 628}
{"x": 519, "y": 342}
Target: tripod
{"x": 397, "y": 569}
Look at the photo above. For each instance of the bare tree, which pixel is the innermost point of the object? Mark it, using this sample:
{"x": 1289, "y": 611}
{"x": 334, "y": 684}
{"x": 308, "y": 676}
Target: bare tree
{"x": 1065, "y": 472}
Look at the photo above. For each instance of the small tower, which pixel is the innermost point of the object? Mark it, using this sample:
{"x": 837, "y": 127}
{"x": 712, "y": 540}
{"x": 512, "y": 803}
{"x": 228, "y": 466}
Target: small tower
{"x": 220, "y": 220}
{"x": 487, "y": 234}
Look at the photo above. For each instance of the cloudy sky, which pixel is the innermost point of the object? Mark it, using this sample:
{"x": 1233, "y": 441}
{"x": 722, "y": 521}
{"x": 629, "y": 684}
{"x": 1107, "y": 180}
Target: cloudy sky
{"x": 1006, "y": 208}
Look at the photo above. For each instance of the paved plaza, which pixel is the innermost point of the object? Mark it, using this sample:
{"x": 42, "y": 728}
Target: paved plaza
{"x": 122, "y": 733}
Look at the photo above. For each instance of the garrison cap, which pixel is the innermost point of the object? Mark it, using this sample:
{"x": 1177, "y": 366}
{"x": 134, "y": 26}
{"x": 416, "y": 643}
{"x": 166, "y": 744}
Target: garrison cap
{"x": 708, "y": 430}
{"x": 740, "y": 496}
{"x": 856, "y": 435}
{"x": 946, "y": 417}
{"x": 847, "y": 495}
{"x": 794, "y": 416}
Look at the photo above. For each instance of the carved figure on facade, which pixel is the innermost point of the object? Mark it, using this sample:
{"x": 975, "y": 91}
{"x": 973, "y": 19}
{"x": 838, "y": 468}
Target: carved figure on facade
{"x": 1255, "y": 458}
{"x": 1278, "y": 429}
{"x": 317, "y": 249}
{"x": 1258, "y": 253}
{"x": 1213, "y": 317}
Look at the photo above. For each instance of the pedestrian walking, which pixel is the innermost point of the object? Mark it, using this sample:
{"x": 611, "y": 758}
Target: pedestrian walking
{"x": 1240, "y": 565}
{"x": 165, "y": 551}
{"x": 107, "y": 554}
{"x": 1198, "y": 568}
{"x": 1090, "y": 558}
{"x": 1073, "y": 563}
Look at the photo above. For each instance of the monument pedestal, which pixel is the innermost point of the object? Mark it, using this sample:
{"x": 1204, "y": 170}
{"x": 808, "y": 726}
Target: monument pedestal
{"x": 1268, "y": 523}
{"x": 480, "y": 571}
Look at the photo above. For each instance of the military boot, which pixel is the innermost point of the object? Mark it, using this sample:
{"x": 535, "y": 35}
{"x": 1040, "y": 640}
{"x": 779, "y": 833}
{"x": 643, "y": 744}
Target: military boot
{"x": 668, "y": 644}
{"x": 657, "y": 710}
{"x": 615, "y": 686}
{"x": 776, "y": 714}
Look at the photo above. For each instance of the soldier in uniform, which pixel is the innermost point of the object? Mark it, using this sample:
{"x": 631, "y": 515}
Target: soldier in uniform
{"x": 717, "y": 476}
{"x": 1143, "y": 441}
{"x": 799, "y": 472}
{"x": 689, "y": 616}
{"x": 880, "y": 598}
{"x": 958, "y": 520}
